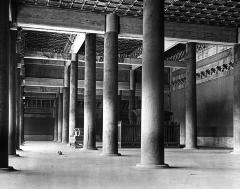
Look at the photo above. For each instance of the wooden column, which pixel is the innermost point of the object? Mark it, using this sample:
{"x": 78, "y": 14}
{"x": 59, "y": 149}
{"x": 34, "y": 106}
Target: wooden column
{"x": 73, "y": 94}
{"x": 4, "y": 62}
{"x": 236, "y": 101}
{"x": 90, "y": 93}
{"x": 191, "y": 97}
{"x": 110, "y": 87}
{"x": 55, "y": 138}
{"x": 12, "y": 95}
{"x": 152, "y": 128}
{"x": 119, "y": 104}
{"x": 18, "y": 83}
{"x": 60, "y": 116}
{"x": 131, "y": 115}
{"x": 21, "y": 115}
{"x": 65, "y": 123}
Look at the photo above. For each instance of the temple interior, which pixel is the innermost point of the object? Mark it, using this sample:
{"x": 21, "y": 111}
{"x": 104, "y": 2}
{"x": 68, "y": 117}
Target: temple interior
{"x": 119, "y": 94}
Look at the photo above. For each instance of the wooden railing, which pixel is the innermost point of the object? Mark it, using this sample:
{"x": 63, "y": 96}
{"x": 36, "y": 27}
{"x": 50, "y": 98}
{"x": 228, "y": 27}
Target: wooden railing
{"x": 130, "y": 135}
{"x": 39, "y": 103}
{"x": 172, "y": 134}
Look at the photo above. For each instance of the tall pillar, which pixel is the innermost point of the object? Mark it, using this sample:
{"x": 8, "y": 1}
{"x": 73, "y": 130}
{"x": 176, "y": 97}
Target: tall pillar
{"x": 4, "y": 61}
{"x": 90, "y": 93}
{"x": 110, "y": 87}
{"x": 152, "y": 128}
{"x": 60, "y": 116}
{"x": 73, "y": 94}
{"x": 21, "y": 115}
{"x": 190, "y": 97}
{"x": 17, "y": 110}
{"x": 236, "y": 104}
{"x": 55, "y": 138}
{"x": 65, "y": 123}
{"x": 119, "y": 104}
{"x": 20, "y": 61}
{"x": 132, "y": 97}
{"x": 12, "y": 95}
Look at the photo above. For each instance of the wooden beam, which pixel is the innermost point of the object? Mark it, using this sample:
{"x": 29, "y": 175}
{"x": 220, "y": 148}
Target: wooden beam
{"x": 167, "y": 63}
{"x": 42, "y": 71}
{"x": 37, "y": 114}
{"x": 50, "y": 82}
{"x": 43, "y": 62}
{"x": 36, "y": 90}
{"x": 186, "y": 32}
{"x": 40, "y": 89}
{"x": 63, "y": 20}
{"x": 66, "y": 57}
{"x": 78, "y": 42}
{"x": 43, "y": 111}
{"x": 174, "y": 64}
{"x": 40, "y": 95}
{"x": 48, "y": 56}
{"x": 61, "y": 64}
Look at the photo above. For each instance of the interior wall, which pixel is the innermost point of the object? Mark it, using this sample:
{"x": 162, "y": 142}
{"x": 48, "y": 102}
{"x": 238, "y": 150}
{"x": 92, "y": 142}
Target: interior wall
{"x": 214, "y": 112}
{"x": 38, "y": 128}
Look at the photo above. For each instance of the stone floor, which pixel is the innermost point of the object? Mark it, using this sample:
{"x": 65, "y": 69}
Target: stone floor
{"x": 41, "y": 167}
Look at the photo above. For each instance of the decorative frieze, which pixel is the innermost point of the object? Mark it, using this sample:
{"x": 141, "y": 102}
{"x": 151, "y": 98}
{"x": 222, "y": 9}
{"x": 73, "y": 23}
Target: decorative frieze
{"x": 205, "y": 73}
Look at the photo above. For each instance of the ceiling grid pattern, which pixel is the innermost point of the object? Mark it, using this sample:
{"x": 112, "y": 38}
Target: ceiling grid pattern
{"x": 125, "y": 47}
{"x": 214, "y": 12}
{"x": 45, "y": 41}
{"x": 211, "y": 12}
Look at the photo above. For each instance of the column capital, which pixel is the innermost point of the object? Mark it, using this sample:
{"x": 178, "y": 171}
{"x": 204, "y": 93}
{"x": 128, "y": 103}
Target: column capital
{"x": 67, "y": 63}
{"x": 74, "y": 57}
{"x": 119, "y": 92}
{"x": 132, "y": 80}
{"x": 236, "y": 54}
{"x": 190, "y": 50}
{"x": 112, "y": 23}
{"x": 66, "y": 81}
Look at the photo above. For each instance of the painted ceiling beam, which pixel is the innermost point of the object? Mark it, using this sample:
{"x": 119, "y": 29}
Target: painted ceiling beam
{"x": 40, "y": 89}
{"x": 78, "y": 42}
{"x": 37, "y": 55}
{"x": 40, "y": 95}
{"x": 63, "y": 20}
{"x": 50, "y": 82}
{"x": 36, "y": 90}
{"x": 54, "y": 63}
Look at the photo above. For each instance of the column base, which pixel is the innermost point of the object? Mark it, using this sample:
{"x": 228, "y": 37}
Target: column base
{"x": 152, "y": 166}
{"x": 88, "y": 149}
{"x": 237, "y": 152}
{"x": 190, "y": 148}
{"x": 7, "y": 169}
{"x": 14, "y": 155}
{"x": 110, "y": 155}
